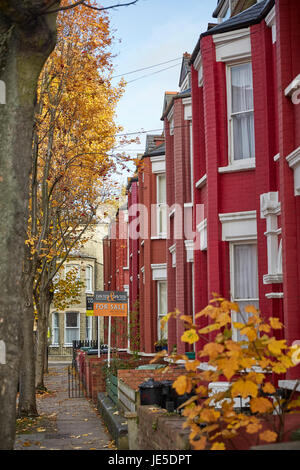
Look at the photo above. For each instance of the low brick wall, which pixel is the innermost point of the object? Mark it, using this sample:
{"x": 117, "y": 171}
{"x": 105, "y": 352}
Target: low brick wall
{"x": 134, "y": 378}
{"x": 160, "y": 430}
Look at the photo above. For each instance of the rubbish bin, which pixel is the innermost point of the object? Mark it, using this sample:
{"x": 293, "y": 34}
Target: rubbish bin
{"x": 151, "y": 393}
{"x": 167, "y": 396}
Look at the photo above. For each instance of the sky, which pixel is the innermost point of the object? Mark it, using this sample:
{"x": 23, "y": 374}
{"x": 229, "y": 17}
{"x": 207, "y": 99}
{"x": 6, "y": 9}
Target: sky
{"x": 149, "y": 33}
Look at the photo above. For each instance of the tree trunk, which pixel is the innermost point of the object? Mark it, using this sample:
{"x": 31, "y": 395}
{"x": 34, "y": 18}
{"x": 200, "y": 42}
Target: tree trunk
{"x": 27, "y": 397}
{"x": 45, "y": 300}
{"x": 25, "y": 43}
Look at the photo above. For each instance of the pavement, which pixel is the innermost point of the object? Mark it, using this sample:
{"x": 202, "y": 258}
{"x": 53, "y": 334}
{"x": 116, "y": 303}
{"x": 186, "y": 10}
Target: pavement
{"x": 64, "y": 423}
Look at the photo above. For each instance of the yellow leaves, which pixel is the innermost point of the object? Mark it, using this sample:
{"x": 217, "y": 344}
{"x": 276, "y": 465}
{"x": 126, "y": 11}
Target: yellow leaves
{"x": 182, "y": 385}
{"x": 244, "y": 388}
{"x": 279, "y": 369}
{"x": 260, "y": 405}
{"x": 187, "y": 319}
{"x": 190, "y": 336}
{"x": 269, "y": 388}
{"x": 212, "y": 350}
{"x": 275, "y": 346}
{"x": 218, "y": 446}
{"x": 268, "y": 436}
{"x": 250, "y": 332}
{"x": 228, "y": 367}
{"x": 275, "y": 323}
{"x": 209, "y": 415}
{"x": 192, "y": 366}
{"x": 165, "y": 320}
{"x": 209, "y": 328}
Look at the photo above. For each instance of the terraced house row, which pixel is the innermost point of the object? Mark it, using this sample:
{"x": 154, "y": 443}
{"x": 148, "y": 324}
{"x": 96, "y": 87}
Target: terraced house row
{"x": 214, "y": 205}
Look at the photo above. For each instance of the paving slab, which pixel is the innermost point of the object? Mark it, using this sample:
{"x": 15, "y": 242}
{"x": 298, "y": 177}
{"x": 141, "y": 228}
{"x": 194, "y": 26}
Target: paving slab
{"x": 64, "y": 423}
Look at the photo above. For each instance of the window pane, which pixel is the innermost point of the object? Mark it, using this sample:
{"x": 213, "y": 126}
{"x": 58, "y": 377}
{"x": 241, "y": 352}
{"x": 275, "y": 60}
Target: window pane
{"x": 71, "y": 319}
{"x": 243, "y": 136}
{"x": 88, "y": 277}
{"x": 55, "y": 319}
{"x": 162, "y": 308}
{"x": 72, "y": 334}
{"x": 242, "y": 88}
{"x": 161, "y": 190}
{"x": 245, "y": 272}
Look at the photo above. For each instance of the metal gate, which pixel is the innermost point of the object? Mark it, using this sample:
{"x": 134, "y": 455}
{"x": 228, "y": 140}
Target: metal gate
{"x": 76, "y": 386}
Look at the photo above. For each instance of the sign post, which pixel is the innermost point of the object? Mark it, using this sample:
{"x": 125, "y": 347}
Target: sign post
{"x": 110, "y": 304}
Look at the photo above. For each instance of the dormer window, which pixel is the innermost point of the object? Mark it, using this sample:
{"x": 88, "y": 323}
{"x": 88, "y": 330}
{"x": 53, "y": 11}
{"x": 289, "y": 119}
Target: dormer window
{"x": 225, "y": 11}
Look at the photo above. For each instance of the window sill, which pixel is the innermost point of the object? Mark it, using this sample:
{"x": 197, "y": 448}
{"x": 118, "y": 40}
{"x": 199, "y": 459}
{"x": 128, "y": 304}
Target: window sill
{"x": 53, "y": 345}
{"x": 160, "y": 237}
{"x": 234, "y": 167}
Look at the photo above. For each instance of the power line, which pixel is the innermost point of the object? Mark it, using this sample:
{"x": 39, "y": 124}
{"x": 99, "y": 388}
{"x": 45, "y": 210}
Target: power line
{"x": 149, "y": 130}
{"x": 153, "y": 73}
{"x": 146, "y": 68}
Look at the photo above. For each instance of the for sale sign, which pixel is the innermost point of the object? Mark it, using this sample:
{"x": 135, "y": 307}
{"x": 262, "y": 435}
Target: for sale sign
{"x": 110, "y": 304}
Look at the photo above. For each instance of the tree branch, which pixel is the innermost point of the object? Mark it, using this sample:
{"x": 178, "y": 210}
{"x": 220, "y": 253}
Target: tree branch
{"x": 82, "y": 2}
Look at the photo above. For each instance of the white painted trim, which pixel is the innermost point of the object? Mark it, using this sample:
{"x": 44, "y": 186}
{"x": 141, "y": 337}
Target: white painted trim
{"x": 293, "y": 160}
{"x": 273, "y": 278}
{"x": 274, "y": 295}
{"x": 239, "y": 165}
{"x": 233, "y": 45}
{"x": 172, "y": 250}
{"x": 201, "y": 182}
{"x": 158, "y": 164}
{"x": 239, "y": 226}
{"x": 159, "y": 272}
{"x": 202, "y": 229}
{"x": 271, "y": 23}
{"x": 293, "y": 86}
{"x": 289, "y": 384}
{"x": 276, "y": 157}
{"x": 189, "y": 247}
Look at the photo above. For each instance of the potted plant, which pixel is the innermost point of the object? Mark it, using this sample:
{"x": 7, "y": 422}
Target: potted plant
{"x": 161, "y": 344}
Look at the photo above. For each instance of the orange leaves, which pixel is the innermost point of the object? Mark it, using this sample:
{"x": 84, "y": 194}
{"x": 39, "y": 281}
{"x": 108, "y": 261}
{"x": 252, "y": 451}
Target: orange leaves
{"x": 246, "y": 366}
{"x": 182, "y": 385}
{"x": 244, "y": 388}
{"x": 260, "y": 405}
{"x": 268, "y": 436}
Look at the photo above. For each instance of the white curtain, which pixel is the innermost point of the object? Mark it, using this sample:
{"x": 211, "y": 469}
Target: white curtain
{"x": 162, "y": 308}
{"x": 245, "y": 278}
{"x": 72, "y": 327}
{"x": 242, "y": 111}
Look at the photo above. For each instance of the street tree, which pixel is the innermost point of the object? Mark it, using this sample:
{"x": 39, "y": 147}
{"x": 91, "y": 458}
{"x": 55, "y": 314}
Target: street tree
{"x": 28, "y": 34}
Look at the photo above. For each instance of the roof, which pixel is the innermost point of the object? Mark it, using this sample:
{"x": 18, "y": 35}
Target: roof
{"x": 159, "y": 150}
{"x": 246, "y": 18}
{"x": 168, "y": 105}
{"x": 185, "y": 67}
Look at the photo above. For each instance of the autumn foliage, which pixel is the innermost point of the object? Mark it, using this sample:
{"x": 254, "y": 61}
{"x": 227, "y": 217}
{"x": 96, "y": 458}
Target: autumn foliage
{"x": 248, "y": 370}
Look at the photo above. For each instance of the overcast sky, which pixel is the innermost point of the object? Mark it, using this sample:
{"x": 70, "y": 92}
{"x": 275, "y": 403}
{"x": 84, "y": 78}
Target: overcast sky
{"x": 148, "y": 33}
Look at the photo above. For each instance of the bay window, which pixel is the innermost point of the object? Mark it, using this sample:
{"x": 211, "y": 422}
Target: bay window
{"x": 244, "y": 280}
{"x": 162, "y": 302}
{"x": 71, "y": 327}
{"x": 55, "y": 329}
{"x": 161, "y": 205}
{"x": 241, "y": 112}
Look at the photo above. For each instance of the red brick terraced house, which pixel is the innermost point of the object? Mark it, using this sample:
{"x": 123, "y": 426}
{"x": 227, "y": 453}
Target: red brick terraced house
{"x": 147, "y": 253}
{"x": 246, "y": 154}
{"x": 116, "y": 273}
{"x": 177, "y": 117}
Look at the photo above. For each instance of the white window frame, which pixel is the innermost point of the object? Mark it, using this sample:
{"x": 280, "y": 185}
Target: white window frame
{"x": 68, "y": 327}
{"x": 238, "y": 163}
{"x": 160, "y": 314}
{"x": 160, "y": 206}
{"x": 89, "y": 289}
{"x": 234, "y": 315}
{"x": 89, "y": 327}
{"x": 55, "y": 328}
